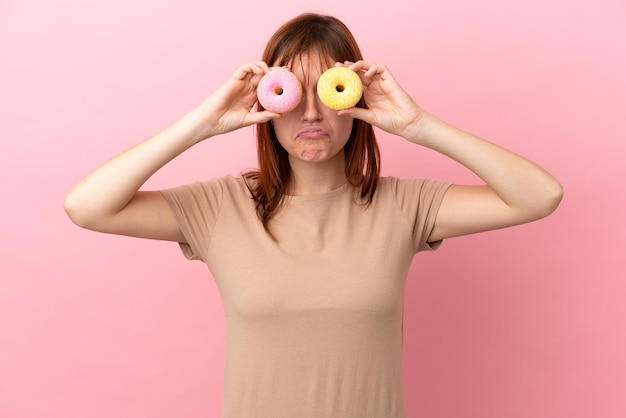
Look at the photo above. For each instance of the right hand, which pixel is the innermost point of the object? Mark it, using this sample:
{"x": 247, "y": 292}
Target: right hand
{"x": 230, "y": 106}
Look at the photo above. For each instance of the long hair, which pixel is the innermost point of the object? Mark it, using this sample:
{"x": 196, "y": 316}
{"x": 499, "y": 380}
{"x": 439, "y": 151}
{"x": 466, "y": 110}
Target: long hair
{"x": 330, "y": 38}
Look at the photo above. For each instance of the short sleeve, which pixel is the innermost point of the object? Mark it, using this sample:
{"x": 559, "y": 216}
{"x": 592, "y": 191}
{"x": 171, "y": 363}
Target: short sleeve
{"x": 419, "y": 201}
{"x": 196, "y": 207}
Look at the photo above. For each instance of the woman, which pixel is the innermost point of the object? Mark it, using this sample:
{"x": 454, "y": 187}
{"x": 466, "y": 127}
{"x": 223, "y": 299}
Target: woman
{"x": 311, "y": 252}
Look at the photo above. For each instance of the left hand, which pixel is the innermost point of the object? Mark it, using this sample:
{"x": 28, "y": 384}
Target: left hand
{"x": 389, "y": 107}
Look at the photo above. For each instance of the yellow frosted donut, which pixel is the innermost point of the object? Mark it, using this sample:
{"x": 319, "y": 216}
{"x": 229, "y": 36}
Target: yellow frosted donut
{"x": 339, "y": 88}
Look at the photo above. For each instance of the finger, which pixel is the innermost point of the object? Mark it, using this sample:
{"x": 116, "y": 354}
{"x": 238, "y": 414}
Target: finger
{"x": 257, "y": 68}
{"x": 372, "y": 70}
{"x": 357, "y": 113}
{"x": 344, "y": 64}
{"x": 261, "y": 117}
{"x": 360, "y": 65}
{"x": 260, "y": 67}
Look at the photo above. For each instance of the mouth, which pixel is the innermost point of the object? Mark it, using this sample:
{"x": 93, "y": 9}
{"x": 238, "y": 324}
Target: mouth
{"x": 312, "y": 132}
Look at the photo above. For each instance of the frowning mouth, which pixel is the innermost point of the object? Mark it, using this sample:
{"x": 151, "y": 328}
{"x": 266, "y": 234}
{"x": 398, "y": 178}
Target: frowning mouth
{"x": 312, "y": 132}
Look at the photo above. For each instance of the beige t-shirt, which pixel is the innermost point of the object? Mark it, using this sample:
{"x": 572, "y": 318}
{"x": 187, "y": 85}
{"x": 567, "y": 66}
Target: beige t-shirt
{"x": 314, "y": 321}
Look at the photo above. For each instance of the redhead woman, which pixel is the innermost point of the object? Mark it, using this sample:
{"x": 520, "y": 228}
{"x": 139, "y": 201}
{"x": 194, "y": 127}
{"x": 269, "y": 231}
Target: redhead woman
{"x": 311, "y": 251}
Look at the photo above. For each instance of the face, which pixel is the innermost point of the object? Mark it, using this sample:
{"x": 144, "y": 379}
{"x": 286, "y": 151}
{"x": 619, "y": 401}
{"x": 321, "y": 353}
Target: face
{"x": 312, "y": 132}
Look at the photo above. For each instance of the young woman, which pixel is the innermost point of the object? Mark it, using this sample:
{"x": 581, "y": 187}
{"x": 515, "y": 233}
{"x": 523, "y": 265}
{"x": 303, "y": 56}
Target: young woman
{"x": 311, "y": 251}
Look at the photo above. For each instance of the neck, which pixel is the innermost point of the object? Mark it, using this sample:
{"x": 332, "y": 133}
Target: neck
{"x": 317, "y": 178}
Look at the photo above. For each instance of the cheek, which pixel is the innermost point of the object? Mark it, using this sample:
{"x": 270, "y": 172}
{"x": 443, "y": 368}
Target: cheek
{"x": 281, "y": 134}
{"x": 285, "y": 125}
{"x": 344, "y": 128}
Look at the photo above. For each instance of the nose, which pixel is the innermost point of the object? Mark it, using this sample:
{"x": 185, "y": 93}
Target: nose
{"x": 312, "y": 110}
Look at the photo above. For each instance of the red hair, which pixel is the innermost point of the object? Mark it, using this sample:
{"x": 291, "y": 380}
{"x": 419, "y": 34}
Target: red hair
{"x": 332, "y": 41}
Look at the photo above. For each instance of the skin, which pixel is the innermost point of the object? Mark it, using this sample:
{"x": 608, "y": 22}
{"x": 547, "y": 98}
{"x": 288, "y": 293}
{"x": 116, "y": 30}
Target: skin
{"x": 314, "y": 135}
{"x": 515, "y": 190}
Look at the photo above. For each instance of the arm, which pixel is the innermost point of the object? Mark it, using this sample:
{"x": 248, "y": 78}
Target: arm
{"x": 515, "y": 191}
{"x": 109, "y": 200}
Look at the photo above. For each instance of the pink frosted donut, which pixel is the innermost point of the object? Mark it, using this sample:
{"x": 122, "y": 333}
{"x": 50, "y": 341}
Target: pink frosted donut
{"x": 279, "y": 91}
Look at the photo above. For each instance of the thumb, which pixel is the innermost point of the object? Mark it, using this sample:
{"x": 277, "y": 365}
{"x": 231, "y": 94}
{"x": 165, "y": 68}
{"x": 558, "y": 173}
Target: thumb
{"x": 357, "y": 113}
{"x": 261, "y": 117}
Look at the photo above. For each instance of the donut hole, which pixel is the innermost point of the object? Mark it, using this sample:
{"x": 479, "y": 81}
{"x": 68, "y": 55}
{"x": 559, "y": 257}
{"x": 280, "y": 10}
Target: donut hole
{"x": 278, "y": 90}
{"x": 340, "y": 88}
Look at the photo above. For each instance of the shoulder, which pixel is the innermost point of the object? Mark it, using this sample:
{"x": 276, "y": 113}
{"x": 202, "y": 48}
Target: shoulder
{"x": 212, "y": 190}
{"x": 225, "y": 183}
{"x": 412, "y": 192}
{"x": 398, "y": 186}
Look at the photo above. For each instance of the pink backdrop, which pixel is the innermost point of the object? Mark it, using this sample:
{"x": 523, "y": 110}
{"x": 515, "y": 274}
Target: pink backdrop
{"x": 526, "y": 322}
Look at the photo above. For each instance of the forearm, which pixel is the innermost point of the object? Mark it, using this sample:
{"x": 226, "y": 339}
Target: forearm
{"x": 108, "y": 189}
{"x": 518, "y": 182}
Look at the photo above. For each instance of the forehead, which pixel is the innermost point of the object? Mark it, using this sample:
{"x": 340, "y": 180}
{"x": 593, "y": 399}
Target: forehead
{"x": 307, "y": 66}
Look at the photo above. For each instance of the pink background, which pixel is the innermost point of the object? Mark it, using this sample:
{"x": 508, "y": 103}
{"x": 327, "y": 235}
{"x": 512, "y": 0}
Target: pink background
{"x": 525, "y": 322}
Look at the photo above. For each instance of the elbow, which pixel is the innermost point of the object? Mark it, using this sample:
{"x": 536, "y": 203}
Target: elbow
{"x": 558, "y": 196}
{"x": 74, "y": 210}
{"x": 550, "y": 199}
{"x": 70, "y": 207}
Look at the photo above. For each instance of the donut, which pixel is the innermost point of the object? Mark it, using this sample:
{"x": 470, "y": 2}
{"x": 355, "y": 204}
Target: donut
{"x": 339, "y": 88}
{"x": 279, "y": 91}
